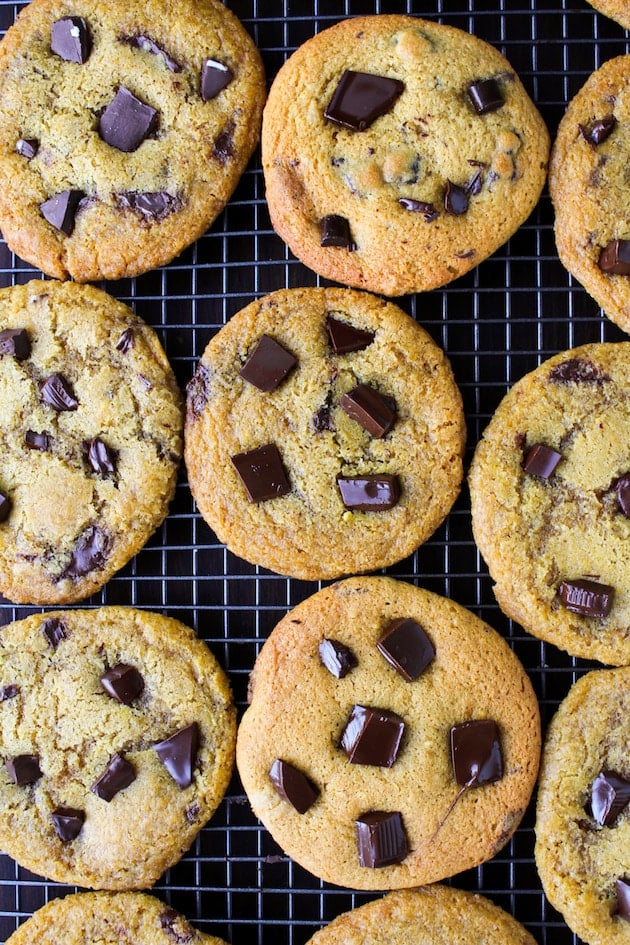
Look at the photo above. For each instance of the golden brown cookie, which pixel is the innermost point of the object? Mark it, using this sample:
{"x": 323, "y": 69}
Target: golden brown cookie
{"x": 615, "y": 9}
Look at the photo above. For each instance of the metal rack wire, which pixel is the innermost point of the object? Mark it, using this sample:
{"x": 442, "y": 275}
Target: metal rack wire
{"x": 496, "y": 323}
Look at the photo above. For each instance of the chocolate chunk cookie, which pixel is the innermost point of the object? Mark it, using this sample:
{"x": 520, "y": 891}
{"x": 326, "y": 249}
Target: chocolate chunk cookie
{"x": 125, "y": 126}
{"x": 91, "y": 429}
{"x": 583, "y": 816}
{"x": 117, "y": 740}
{"x": 588, "y": 187}
{"x": 392, "y": 738}
{"x": 324, "y": 433}
{"x": 550, "y": 490}
{"x": 398, "y": 153}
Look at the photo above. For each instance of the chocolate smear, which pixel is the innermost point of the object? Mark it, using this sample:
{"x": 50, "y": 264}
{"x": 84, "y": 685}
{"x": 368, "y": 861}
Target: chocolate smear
{"x": 176, "y": 927}
{"x": 70, "y": 39}
{"x": 151, "y": 207}
{"x": 541, "y": 461}
{"x": 55, "y": 630}
{"x": 126, "y": 122}
{"x": 345, "y": 338}
{"x": 578, "y": 371}
{"x": 614, "y": 259}
{"x": 197, "y": 391}
{"x": 599, "y": 130}
{"x": 372, "y": 493}
{"x": 360, "y": 98}
{"x": 622, "y": 889}
{"x": 178, "y": 754}
{"x": 37, "y": 441}
{"x": 292, "y": 785}
{"x": 419, "y": 206}
{"x": 5, "y": 507}
{"x": 57, "y": 392}
{"x": 125, "y": 342}
{"x": 27, "y": 147}
{"x": 587, "y": 597}
{"x": 15, "y": 343}
{"x": 485, "y": 96}
{"x": 23, "y": 769}
{"x": 381, "y": 838}
{"x": 118, "y": 775}
{"x": 90, "y": 553}
{"x": 223, "y": 147}
{"x": 337, "y": 658}
{"x": 455, "y": 199}
{"x": 268, "y": 364}
{"x": 149, "y": 45}
{"x": 215, "y": 76}
{"x": 476, "y": 752}
{"x": 335, "y": 231}
{"x": 61, "y": 210}
{"x": 68, "y": 823}
{"x": 101, "y": 458}
{"x": 123, "y": 683}
{"x": 372, "y": 736}
{"x": 9, "y": 692}
{"x": 407, "y": 648}
{"x": 371, "y": 410}
{"x": 610, "y": 795}
{"x": 262, "y": 473}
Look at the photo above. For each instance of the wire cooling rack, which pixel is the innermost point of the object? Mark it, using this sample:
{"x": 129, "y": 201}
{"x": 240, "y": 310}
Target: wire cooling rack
{"x": 496, "y": 323}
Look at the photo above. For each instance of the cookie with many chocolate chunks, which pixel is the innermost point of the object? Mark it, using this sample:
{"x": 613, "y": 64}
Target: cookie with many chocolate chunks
{"x": 125, "y": 126}
{"x": 415, "y": 764}
{"x": 92, "y": 423}
{"x": 324, "y": 433}
{"x": 583, "y": 811}
{"x": 550, "y": 491}
{"x": 399, "y": 153}
{"x": 117, "y": 737}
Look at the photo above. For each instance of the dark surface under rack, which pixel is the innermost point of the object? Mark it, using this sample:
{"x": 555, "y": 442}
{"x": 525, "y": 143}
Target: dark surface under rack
{"x": 496, "y": 323}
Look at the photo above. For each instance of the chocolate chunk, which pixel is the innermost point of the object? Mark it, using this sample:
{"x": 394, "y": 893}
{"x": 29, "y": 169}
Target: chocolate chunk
{"x": 55, "y": 630}
{"x": 15, "y": 343}
{"x": 455, "y": 199}
{"x": 622, "y": 888}
{"x": 61, "y": 209}
{"x": 70, "y": 39}
{"x": 579, "y": 371}
{"x": 90, "y": 553}
{"x": 322, "y": 419}
{"x": 37, "y": 441}
{"x": 268, "y": 364}
{"x": 197, "y": 391}
{"x": 615, "y": 258}
{"x": 476, "y": 752}
{"x": 262, "y": 473}
{"x": 9, "y": 692}
{"x": 126, "y": 122}
{"x": 335, "y": 231}
{"x": 5, "y": 507}
{"x": 485, "y": 96}
{"x": 151, "y": 207}
{"x": 123, "y": 683}
{"x": 622, "y": 488}
{"x": 178, "y": 754}
{"x": 541, "y": 461}
{"x": 125, "y": 342}
{"x": 598, "y": 131}
{"x": 345, "y": 338}
{"x": 586, "y": 597}
{"x": 407, "y": 647}
{"x": 215, "y": 76}
{"x": 372, "y": 736}
{"x": 101, "y": 458}
{"x": 176, "y": 927}
{"x": 610, "y": 794}
{"x": 419, "y": 206}
{"x": 27, "y": 147}
{"x": 370, "y": 409}
{"x": 118, "y": 775}
{"x": 369, "y": 493}
{"x": 23, "y": 769}
{"x": 68, "y": 822}
{"x": 360, "y": 98}
{"x": 337, "y": 657}
{"x": 57, "y": 392}
{"x": 148, "y": 45}
{"x": 381, "y": 838}
{"x": 473, "y": 187}
{"x": 223, "y": 147}
{"x": 292, "y": 785}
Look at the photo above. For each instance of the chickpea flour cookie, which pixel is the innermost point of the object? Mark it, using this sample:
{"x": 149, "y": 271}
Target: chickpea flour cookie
{"x": 91, "y": 428}
{"x": 117, "y": 731}
{"x": 617, "y": 10}
{"x": 589, "y": 190}
{"x": 434, "y": 915}
{"x": 125, "y": 126}
{"x": 103, "y": 918}
{"x": 392, "y": 737}
{"x": 398, "y": 153}
{"x": 583, "y": 818}
{"x": 324, "y": 433}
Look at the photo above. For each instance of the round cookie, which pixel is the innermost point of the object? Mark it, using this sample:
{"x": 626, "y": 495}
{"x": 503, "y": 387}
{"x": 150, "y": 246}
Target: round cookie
{"x": 550, "y": 492}
{"x": 104, "y": 918}
{"x": 383, "y": 171}
{"x": 117, "y": 740}
{"x": 588, "y": 187}
{"x": 335, "y": 354}
{"x": 345, "y": 750}
{"x": 583, "y": 819}
{"x": 91, "y": 426}
{"x": 434, "y": 915}
{"x": 615, "y": 9}
{"x": 125, "y": 126}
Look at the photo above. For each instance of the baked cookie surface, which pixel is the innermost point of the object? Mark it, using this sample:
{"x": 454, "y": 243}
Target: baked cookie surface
{"x": 91, "y": 423}
{"x": 367, "y": 404}
{"x": 583, "y": 818}
{"x": 92, "y": 791}
{"x": 392, "y": 738}
{"x": 124, "y": 128}
{"x": 550, "y": 510}
{"x": 615, "y": 9}
{"x": 383, "y": 171}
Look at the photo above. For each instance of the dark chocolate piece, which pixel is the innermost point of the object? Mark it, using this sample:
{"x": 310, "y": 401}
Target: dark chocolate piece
{"x": 262, "y": 473}
{"x": 419, "y": 206}
{"x": 223, "y": 147}
{"x": 476, "y": 752}
{"x": 176, "y": 927}
{"x": 148, "y": 45}
{"x": 473, "y": 187}
{"x": 101, "y": 458}
{"x": 178, "y": 753}
{"x": 90, "y": 552}
{"x": 372, "y": 736}
{"x": 360, "y": 98}
{"x": 151, "y": 207}
{"x": 55, "y": 630}
{"x": 27, "y": 147}
{"x": 381, "y": 838}
{"x": 587, "y": 597}
{"x": 578, "y": 371}
{"x": 70, "y": 39}
{"x": 610, "y": 794}
{"x": 61, "y": 209}
{"x": 57, "y": 392}
{"x": 37, "y": 441}
{"x": 598, "y": 131}
{"x": 369, "y": 493}
{"x": 541, "y": 461}
{"x": 125, "y": 342}
{"x": 268, "y": 364}
{"x": 345, "y": 338}
{"x": 118, "y": 775}
{"x": 455, "y": 199}
{"x": 197, "y": 391}
{"x": 485, "y": 96}
{"x": 293, "y": 786}
{"x": 68, "y": 823}
{"x": 622, "y": 889}
{"x": 15, "y": 343}
{"x": 322, "y": 420}
{"x": 370, "y": 409}
{"x": 622, "y": 488}
{"x": 9, "y": 692}
{"x": 23, "y": 769}
{"x": 335, "y": 231}
{"x": 337, "y": 657}
{"x": 5, "y": 507}
{"x": 123, "y": 683}
{"x": 615, "y": 258}
{"x": 407, "y": 647}
{"x": 215, "y": 76}
{"x": 126, "y": 122}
